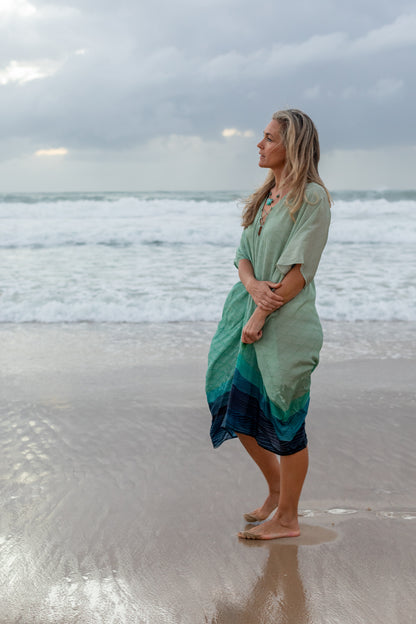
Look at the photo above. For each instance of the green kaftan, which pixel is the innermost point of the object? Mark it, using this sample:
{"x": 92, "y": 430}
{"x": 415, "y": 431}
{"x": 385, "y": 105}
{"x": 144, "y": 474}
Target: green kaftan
{"x": 273, "y": 373}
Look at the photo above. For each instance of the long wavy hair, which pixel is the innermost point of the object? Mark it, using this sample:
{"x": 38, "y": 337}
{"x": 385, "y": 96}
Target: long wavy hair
{"x": 300, "y": 140}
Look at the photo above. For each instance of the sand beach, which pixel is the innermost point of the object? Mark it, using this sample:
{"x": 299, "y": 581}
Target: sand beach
{"x": 116, "y": 509}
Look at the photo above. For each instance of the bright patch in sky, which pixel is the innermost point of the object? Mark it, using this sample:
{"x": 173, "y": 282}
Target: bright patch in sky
{"x": 21, "y": 71}
{"x": 54, "y": 151}
{"x": 17, "y": 7}
{"x": 231, "y": 132}
{"x": 386, "y": 87}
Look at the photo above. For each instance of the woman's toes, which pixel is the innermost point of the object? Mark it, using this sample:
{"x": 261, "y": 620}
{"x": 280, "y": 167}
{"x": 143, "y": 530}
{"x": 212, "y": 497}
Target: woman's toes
{"x": 262, "y": 513}
{"x": 270, "y": 530}
{"x": 246, "y": 535}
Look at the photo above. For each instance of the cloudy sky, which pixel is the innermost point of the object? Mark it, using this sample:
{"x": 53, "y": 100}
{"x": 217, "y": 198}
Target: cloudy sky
{"x": 155, "y": 94}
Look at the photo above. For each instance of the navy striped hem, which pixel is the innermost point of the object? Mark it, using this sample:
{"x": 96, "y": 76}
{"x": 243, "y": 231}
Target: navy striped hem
{"x": 228, "y": 421}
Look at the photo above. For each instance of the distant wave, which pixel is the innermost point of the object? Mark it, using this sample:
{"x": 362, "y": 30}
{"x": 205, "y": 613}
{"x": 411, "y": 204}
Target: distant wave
{"x": 117, "y": 257}
{"x": 132, "y": 221}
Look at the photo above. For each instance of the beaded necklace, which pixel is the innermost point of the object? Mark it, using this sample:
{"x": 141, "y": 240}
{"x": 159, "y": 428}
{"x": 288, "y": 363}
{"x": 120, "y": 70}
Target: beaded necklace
{"x": 265, "y": 214}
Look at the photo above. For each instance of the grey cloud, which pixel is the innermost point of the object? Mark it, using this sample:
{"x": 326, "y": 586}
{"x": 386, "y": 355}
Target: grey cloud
{"x": 193, "y": 68}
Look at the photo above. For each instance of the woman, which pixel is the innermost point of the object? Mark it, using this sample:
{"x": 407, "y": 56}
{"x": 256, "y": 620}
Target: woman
{"x": 268, "y": 341}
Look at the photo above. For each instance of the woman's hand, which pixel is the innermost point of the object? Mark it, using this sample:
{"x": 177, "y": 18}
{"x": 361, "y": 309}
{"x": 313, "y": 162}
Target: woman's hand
{"x": 263, "y": 294}
{"x": 252, "y": 330}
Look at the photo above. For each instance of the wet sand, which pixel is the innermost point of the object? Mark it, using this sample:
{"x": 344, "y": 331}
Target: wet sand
{"x": 116, "y": 509}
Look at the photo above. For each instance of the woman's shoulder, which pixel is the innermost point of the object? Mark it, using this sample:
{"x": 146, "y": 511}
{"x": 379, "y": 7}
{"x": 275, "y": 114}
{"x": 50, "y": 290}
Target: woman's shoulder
{"x": 316, "y": 203}
{"x": 315, "y": 193}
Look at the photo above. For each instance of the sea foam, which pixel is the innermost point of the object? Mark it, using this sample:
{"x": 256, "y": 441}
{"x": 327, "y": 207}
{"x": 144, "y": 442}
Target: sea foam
{"x": 169, "y": 257}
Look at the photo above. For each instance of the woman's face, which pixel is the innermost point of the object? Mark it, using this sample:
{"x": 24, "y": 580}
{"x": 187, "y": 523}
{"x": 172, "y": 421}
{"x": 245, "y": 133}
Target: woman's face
{"x": 272, "y": 152}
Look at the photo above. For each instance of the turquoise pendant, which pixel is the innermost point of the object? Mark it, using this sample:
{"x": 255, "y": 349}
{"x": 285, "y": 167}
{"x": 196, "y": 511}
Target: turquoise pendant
{"x": 270, "y": 199}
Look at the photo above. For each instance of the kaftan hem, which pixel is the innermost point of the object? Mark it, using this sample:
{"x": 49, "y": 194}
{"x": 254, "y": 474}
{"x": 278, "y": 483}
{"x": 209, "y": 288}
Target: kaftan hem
{"x": 229, "y": 421}
{"x": 242, "y": 406}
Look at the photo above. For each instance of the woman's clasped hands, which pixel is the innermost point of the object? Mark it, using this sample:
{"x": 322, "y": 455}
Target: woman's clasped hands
{"x": 264, "y": 295}
{"x": 267, "y": 301}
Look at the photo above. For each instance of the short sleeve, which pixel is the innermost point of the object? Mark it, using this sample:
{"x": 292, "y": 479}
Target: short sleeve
{"x": 242, "y": 250}
{"x": 309, "y": 235}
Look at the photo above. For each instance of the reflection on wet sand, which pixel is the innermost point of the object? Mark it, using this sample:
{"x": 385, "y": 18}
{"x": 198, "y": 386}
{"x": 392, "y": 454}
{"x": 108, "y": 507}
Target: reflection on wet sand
{"x": 278, "y": 596}
{"x": 114, "y": 509}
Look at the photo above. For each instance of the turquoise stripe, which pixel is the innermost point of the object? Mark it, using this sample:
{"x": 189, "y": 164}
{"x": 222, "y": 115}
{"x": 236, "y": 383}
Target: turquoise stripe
{"x": 252, "y": 375}
{"x": 248, "y": 381}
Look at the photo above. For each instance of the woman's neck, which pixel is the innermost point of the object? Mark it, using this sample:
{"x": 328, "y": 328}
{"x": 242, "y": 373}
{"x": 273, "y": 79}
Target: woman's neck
{"x": 278, "y": 177}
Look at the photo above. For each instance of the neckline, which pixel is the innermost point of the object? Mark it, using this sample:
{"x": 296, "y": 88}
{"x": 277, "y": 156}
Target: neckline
{"x": 262, "y": 220}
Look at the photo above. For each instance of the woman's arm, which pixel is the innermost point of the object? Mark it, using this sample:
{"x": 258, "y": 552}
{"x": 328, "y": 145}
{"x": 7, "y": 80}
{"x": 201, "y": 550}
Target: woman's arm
{"x": 290, "y": 286}
{"x": 292, "y": 283}
{"x": 262, "y": 292}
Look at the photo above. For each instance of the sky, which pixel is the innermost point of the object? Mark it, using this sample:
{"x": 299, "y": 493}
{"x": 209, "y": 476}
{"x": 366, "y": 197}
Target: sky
{"x": 160, "y": 95}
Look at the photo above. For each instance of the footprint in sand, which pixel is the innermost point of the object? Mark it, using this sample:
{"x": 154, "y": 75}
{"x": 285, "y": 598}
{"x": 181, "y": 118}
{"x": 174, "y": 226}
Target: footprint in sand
{"x": 309, "y": 513}
{"x": 338, "y": 511}
{"x": 403, "y": 515}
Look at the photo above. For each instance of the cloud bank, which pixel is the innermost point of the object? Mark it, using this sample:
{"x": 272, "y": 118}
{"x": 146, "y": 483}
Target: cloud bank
{"x": 102, "y": 79}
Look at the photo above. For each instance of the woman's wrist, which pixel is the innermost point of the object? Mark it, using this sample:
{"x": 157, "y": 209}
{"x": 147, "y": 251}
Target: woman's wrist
{"x": 249, "y": 282}
{"x": 261, "y": 314}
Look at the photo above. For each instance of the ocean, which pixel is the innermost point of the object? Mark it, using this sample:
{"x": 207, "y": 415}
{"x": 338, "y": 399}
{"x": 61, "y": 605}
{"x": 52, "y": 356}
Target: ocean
{"x": 168, "y": 256}
{"x": 115, "y": 508}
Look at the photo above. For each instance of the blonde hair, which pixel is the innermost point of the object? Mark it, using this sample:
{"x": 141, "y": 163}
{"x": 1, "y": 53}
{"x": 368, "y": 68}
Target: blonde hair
{"x": 300, "y": 139}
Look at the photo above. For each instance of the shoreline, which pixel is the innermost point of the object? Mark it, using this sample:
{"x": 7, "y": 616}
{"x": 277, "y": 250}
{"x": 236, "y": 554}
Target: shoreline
{"x": 343, "y": 340}
{"x": 115, "y": 507}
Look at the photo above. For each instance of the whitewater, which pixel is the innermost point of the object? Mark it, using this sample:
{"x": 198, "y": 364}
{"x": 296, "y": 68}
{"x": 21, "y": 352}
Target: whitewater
{"x": 165, "y": 257}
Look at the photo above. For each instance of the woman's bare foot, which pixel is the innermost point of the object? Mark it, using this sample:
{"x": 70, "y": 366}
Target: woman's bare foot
{"x": 263, "y": 512}
{"x": 272, "y": 529}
